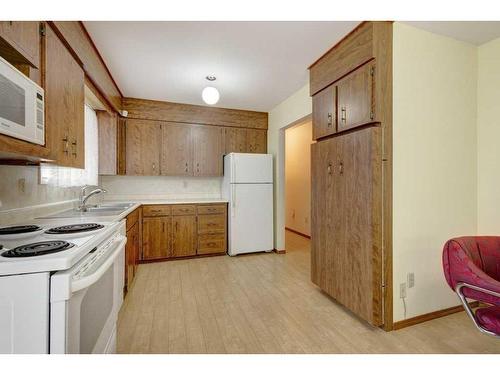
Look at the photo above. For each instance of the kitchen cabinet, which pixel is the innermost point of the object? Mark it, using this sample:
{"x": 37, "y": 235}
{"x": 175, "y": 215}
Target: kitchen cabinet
{"x": 176, "y": 150}
{"x": 346, "y": 215}
{"x": 325, "y": 112}
{"x": 143, "y": 144}
{"x": 356, "y": 98}
{"x": 235, "y": 140}
{"x": 108, "y": 142}
{"x": 133, "y": 246}
{"x": 212, "y": 229}
{"x": 156, "y": 237}
{"x": 183, "y": 236}
{"x": 207, "y": 150}
{"x": 256, "y": 141}
{"x": 64, "y": 103}
{"x": 20, "y": 42}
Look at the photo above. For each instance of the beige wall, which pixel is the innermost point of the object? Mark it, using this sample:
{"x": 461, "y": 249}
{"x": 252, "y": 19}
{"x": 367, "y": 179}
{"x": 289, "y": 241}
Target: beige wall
{"x": 291, "y": 110}
{"x": 298, "y": 141}
{"x": 435, "y": 185}
{"x": 488, "y": 126}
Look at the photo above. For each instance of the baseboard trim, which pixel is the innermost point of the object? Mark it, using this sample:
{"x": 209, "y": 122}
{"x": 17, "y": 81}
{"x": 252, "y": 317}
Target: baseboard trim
{"x": 279, "y": 251}
{"x": 430, "y": 316}
{"x": 297, "y": 232}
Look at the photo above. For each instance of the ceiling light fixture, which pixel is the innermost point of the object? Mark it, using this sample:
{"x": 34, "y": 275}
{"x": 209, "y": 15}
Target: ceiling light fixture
{"x": 210, "y": 95}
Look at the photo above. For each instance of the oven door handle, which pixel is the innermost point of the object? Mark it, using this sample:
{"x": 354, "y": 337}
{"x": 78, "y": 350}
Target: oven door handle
{"x": 88, "y": 280}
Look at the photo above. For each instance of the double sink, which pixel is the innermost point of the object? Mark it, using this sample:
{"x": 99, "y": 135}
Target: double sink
{"x": 105, "y": 209}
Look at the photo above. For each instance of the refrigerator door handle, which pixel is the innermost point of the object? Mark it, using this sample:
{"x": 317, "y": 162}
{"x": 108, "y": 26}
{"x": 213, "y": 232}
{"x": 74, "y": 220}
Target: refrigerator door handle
{"x": 233, "y": 199}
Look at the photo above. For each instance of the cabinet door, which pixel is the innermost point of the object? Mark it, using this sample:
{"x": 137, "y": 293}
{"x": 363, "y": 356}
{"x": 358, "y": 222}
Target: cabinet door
{"x": 143, "y": 142}
{"x": 183, "y": 236}
{"x": 131, "y": 254}
{"x": 235, "y": 140}
{"x": 208, "y": 153}
{"x": 64, "y": 103}
{"x": 24, "y": 38}
{"x": 177, "y": 150}
{"x": 324, "y": 112}
{"x": 360, "y": 270}
{"x": 355, "y": 98}
{"x": 108, "y": 142}
{"x": 156, "y": 237}
{"x": 257, "y": 141}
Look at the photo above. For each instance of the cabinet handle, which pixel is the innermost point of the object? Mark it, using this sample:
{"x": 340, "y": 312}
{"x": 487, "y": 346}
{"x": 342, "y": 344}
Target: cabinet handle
{"x": 66, "y": 144}
{"x": 343, "y": 114}
{"x": 74, "y": 143}
{"x": 330, "y": 119}
{"x": 186, "y": 167}
{"x": 341, "y": 168}
{"x": 163, "y": 227}
{"x": 329, "y": 168}
{"x": 154, "y": 167}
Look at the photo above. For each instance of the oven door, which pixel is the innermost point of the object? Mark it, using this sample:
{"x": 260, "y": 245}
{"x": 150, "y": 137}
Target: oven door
{"x": 84, "y": 320}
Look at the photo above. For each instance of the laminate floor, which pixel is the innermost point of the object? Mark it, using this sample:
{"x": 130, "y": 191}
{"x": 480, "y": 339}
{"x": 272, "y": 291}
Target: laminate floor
{"x": 265, "y": 303}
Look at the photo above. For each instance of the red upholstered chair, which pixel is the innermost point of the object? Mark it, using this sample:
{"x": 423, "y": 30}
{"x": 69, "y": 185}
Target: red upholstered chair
{"x": 472, "y": 269}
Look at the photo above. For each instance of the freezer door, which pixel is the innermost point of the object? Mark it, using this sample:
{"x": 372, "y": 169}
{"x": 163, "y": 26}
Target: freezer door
{"x": 249, "y": 168}
{"x": 250, "y": 218}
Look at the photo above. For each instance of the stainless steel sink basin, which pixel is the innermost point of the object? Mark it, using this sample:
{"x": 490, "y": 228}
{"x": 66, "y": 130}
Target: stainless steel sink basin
{"x": 105, "y": 209}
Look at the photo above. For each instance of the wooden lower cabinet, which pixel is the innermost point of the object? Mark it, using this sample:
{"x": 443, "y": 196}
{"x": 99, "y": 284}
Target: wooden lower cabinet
{"x": 181, "y": 230}
{"x": 346, "y": 252}
{"x": 133, "y": 246}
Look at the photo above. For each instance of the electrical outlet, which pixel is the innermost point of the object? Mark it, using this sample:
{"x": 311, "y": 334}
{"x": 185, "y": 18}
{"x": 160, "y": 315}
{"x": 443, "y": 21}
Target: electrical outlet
{"x": 402, "y": 290}
{"x": 411, "y": 280}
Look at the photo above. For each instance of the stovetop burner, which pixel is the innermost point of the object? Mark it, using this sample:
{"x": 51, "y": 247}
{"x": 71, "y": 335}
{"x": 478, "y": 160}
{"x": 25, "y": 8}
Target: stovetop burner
{"x": 38, "y": 248}
{"x": 19, "y": 229}
{"x": 74, "y": 228}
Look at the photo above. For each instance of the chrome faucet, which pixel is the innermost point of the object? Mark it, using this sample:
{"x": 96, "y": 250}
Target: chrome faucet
{"x": 83, "y": 206}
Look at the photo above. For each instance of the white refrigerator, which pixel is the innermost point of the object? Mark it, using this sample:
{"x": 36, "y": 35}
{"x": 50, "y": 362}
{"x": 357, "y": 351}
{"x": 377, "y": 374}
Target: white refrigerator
{"x": 248, "y": 186}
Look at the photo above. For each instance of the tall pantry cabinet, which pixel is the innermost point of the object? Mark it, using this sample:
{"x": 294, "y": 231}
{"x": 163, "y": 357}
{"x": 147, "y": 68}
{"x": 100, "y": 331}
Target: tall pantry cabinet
{"x": 351, "y": 169}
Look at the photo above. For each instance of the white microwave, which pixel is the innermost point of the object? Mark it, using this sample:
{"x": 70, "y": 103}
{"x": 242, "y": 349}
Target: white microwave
{"x": 21, "y": 105}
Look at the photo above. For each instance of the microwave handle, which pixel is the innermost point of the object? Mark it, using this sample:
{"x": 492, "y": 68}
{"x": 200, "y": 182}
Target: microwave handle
{"x": 88, "y": 280}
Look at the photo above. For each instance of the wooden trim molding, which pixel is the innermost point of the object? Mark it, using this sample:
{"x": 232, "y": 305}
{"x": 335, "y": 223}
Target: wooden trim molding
{"x": 430, "y": 316}
{"x": 145, "y": 109}
{"x": 298, "y": 233}
{"x": 279, "y": 251}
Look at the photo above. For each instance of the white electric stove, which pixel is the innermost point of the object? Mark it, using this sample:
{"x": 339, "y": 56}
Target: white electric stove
{"x": 61, "y": 286}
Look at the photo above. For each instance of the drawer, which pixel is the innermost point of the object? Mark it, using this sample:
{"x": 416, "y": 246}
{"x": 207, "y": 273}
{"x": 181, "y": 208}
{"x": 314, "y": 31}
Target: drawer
{"x": 212, "y": 243}
{"x": 132, "y": 218}
{"x": 211, "y": 209}
{"x": 211, "y": 224}
{"x": 156, "y": 210}
{"x": 183, "y": 209}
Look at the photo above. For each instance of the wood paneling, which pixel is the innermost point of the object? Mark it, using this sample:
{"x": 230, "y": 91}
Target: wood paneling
{"x": 143, "y": 145}
{"x": 64, "y": 103}
{"x": 193, "y": 114}
{"x": 352, "y": 51}
{"x": 256, "y": 141}
{"x": 108, "y": 142}
{"x": 183, "y": 235}
{"x": 77, "y": 37}
{"x": 177, "y": 149}
{"x": 156, "y": 237}
{"x": 356, "y": 102}
{"x": 325, "y": 112}
{"x": 207, "y": 150}
{"x": 20, "y": 42}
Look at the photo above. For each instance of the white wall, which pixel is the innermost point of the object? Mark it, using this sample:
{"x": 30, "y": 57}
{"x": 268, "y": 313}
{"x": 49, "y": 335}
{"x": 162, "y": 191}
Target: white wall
{"x": 160, "y": 187}
{"x": 435, "y": 184}
{"x": 488, "y": 123}
{"x": 292, "y": 109}
{"x": 298, "y": 141}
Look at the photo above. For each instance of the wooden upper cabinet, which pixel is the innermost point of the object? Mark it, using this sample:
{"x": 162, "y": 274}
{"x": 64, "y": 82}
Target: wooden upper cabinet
{"x": 156, "y": 237}
{"x": 183, "y": 236}
{"x": 64, "y": 104}
{"x": 356, "y": 102}
{"x": 325, "y": 112}
{"x": 177, "y": 149}
{"x": 208, "y": 152}
{"x": 256, "y": 141}
{"x": 20, "y": 42}
{"x": 143, "y": 143}
{"x": 235, "y": 140}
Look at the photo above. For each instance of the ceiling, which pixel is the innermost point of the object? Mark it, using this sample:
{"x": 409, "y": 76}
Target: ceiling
{"x": 474, "y": 32}
{"x": 257, "y": 64}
